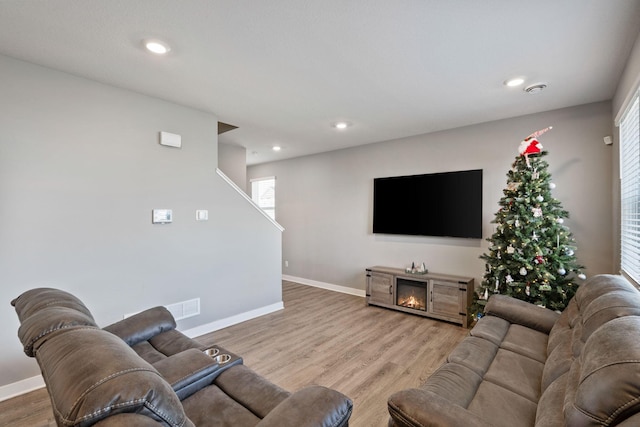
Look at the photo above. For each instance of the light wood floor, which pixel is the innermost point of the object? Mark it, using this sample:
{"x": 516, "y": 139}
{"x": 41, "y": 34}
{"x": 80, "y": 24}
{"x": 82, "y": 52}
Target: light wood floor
{"x": 321, "y": 337}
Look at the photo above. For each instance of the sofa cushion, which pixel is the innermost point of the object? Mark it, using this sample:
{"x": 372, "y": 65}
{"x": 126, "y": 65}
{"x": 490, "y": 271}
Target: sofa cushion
{"x": 526, "y": 341}
{"x": 502, "y": 407}
{"x": 604, "y": 383}
{"x": 212, "y": 407}
{"x": 491, "y": 328}
{"x": 611, "y": 305}
{"x": 517, "y": 373}
{"x": 254, "y": 392}
{"x": 44, "y": 312}
{"x": 34, "y": 300}
{"x": 474, "y": 353}
{"x": 455, "y": 383}
{"x": 557, "y": 364}
{"x": 45, "y": 324}
{"x": 599, "y": 285}
{"x": 113, "y": 380}
{"x": 550, "y": 405}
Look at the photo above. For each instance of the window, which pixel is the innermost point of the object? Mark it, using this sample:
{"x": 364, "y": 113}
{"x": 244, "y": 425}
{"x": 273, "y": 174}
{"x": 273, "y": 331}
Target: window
{"x": 630, "y": 190}
{"x": 263, "y": 192}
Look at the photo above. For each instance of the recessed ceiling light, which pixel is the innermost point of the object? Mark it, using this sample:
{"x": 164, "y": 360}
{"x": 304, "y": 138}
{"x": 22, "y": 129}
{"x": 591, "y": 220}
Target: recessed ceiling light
{"x": 157, "y": 47}
{"x": 276, "y": 148}
{"x": 517, "y": 81}
{"x": 341, "y": 125}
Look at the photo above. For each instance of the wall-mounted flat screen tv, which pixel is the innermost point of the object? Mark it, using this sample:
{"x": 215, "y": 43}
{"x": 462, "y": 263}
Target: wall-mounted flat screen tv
{"x": 447, "y": 204}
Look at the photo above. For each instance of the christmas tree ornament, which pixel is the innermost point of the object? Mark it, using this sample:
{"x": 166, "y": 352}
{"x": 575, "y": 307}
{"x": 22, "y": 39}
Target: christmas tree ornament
{"x": 581, "y": 276}
{"x": 523, "y": 271}
{"x": 537, "y": 211}
{"x": 552, "y": 185}
{"x": 562, "y": 271}
{"x": 527, "y": 290}
{"x": 486, "y": 294}
{"x": 560, "y": 221}
{"x": 531, "y": 145}
{"x": 540, "y": 198}
{"x": 517, "y": 223}
{"x": 534, "y": 237}
{"x": 509, "y": 279}
{"x": 535, "y": 174}
{"x": 510, "y": 249}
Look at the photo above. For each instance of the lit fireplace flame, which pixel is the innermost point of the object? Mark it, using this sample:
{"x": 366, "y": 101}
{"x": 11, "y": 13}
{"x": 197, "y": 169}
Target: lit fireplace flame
{"x": 412, "y": 302}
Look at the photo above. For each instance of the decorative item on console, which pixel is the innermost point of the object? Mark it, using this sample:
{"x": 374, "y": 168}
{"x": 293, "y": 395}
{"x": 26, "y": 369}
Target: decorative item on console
{"x": 422, "y": 269}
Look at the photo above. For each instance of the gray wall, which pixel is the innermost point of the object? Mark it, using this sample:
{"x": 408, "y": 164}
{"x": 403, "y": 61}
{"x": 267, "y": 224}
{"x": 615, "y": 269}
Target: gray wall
{"x": 324, "y": 201}
{"x": 232, "y": 161}
{"x": 80, "y": 171}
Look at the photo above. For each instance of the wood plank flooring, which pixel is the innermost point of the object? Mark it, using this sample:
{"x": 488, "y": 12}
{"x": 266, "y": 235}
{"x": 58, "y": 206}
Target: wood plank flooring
{"x": 321, "y": 337}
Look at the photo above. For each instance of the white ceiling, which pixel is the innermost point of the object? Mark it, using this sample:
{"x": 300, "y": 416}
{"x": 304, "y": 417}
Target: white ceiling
{"x": 284, "y": 71}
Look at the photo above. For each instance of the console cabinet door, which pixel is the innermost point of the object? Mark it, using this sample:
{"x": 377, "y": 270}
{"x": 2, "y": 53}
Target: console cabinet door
{"x": 380, "y": 288}
{"x": 444, "y": 299}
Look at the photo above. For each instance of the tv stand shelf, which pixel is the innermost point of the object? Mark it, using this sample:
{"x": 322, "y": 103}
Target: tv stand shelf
{"x": 439, "y": 296}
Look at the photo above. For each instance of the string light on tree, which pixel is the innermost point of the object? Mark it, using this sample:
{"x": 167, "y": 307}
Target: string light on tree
{"x": 532, "y": 253}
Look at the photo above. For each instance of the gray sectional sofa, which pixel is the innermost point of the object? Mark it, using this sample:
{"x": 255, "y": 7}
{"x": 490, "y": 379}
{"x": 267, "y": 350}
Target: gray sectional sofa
{"x": 523, "y": 365}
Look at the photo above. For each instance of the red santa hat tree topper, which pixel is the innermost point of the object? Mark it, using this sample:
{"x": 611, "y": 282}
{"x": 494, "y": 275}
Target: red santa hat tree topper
{"x": 531, "y": 145}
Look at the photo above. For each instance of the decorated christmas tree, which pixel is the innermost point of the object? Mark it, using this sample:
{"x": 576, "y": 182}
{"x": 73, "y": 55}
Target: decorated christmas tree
{"x": 532, "y": 253}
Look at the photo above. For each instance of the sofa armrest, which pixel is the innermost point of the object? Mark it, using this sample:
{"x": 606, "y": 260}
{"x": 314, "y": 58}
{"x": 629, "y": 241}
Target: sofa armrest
{"x": 311, "y": 406}
{"x": 187, "y": 371}
{"x": 521, "y": 313}
{"x": 143, "y": 326}
{"x": 421, "y": 408}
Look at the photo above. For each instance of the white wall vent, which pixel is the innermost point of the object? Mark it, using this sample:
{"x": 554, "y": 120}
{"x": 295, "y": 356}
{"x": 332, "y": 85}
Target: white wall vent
{"x": 184, "y": 309}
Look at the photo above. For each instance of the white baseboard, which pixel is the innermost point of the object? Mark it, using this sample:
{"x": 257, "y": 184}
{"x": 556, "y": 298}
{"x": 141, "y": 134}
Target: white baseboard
{"x": 21, "y": 387}
{"x": 230, "y": 321}
{"x": 323, "y": 285}
{"x": 24, "y": 386}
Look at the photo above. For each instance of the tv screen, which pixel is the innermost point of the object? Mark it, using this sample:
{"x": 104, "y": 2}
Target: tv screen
{"x": 447, "y": 204}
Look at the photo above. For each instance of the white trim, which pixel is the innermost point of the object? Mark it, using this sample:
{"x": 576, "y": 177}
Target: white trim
{"x": 635, "y": 87}
{"x": 264, "y": 178}
{"x": 21, "y": 387}
{"x": 247, "y": 198}
{"x": 324, "y": 285}
{"x": 230, "y": 321}
{"x": 25, "y": 386}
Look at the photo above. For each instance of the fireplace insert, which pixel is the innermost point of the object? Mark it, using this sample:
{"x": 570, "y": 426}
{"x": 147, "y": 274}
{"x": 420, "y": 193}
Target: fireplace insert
{"x": 411, "y": 294}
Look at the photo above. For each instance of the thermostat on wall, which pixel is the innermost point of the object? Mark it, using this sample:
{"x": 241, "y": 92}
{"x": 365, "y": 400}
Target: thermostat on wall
{"x": 170, "y": 139}
{"x": 162, "y": 216}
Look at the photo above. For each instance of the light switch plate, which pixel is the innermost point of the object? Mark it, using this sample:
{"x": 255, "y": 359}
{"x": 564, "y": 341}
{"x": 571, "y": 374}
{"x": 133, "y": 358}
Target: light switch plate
{"x": 202, "y": 215}
{"x": 162, "y": 216}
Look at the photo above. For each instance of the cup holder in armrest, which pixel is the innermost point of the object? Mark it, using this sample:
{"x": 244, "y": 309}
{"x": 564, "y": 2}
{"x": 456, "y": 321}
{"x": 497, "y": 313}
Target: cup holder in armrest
{"x": 221, "y": 359}
{"x": 212, "y": 352}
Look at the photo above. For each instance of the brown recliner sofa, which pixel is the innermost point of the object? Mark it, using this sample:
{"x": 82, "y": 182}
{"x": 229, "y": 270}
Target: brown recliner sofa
{"x": 141, "y": 371}
{"x": 523, "y": 365}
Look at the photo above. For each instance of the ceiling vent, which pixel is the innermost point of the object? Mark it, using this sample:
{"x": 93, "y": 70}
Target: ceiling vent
{"x": 535, "y": 88}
